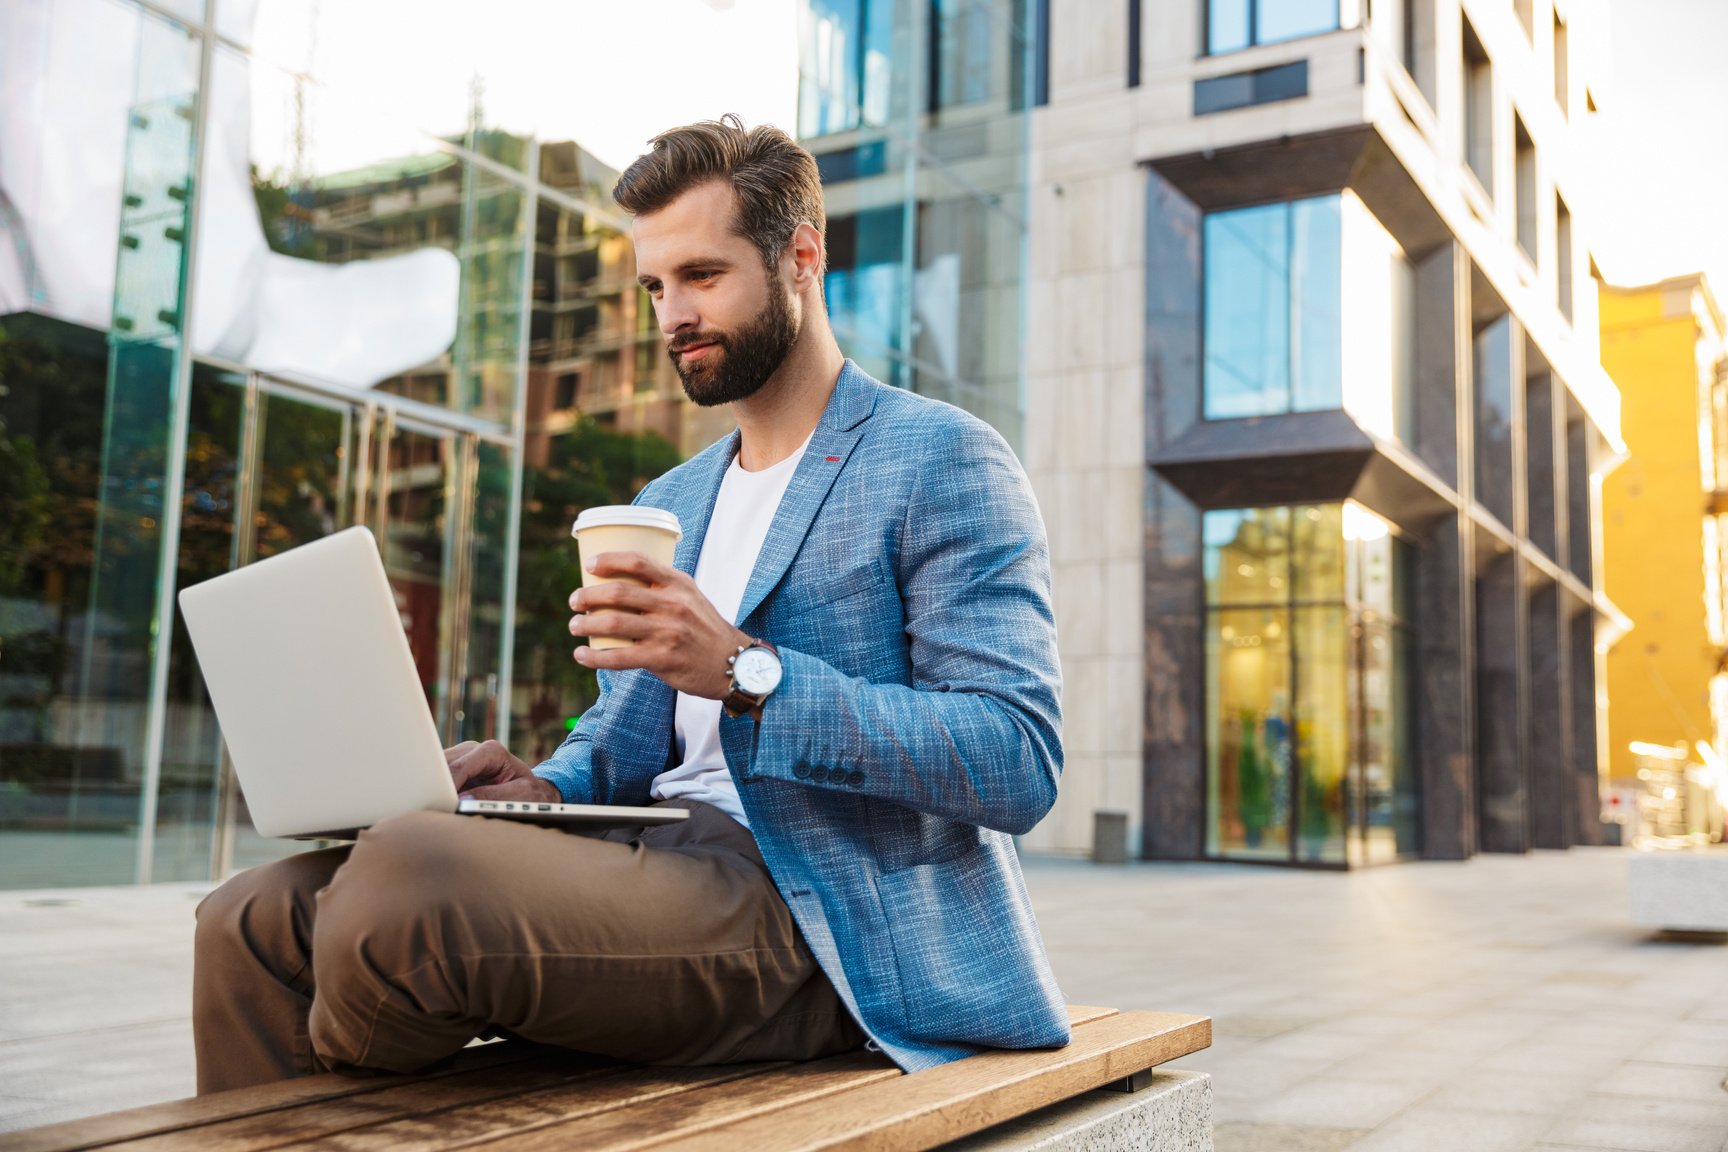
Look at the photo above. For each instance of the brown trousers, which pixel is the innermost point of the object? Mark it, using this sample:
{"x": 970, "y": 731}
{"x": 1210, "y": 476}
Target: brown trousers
{"x": 664, "y": 945}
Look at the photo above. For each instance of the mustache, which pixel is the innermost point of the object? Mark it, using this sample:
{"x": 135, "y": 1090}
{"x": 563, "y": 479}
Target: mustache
{"x": 691, "y": 339}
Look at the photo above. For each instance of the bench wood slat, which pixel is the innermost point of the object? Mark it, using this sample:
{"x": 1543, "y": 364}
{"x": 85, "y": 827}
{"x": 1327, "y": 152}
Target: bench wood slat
{"x": 940, "y": 1104}
{"x": 197, "y": 1111}
{"x": 692, "y": 1113}
{"x": 285, "y": 1126}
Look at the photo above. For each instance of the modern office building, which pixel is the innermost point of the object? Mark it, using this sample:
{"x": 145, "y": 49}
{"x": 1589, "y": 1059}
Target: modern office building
{"x": 1315, "y": 412}
{"x": 1665, "y": 542}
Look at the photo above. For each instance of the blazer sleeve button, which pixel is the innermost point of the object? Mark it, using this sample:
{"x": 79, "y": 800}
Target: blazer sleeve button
{"x": 801, "y": 770}
{"x": 855, "y": 778}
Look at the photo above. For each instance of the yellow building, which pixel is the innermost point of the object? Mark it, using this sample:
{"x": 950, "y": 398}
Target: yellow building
{"x": 1665, "y": 539}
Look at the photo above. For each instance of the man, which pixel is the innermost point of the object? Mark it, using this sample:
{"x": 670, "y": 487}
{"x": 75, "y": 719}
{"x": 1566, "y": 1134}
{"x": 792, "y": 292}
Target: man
{"x": 849, "y": 677}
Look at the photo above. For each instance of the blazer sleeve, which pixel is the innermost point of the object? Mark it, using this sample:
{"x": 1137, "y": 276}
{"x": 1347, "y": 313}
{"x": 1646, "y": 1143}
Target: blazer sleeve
{"x": 571, "y": 765}
{"x": 976, "y": 735}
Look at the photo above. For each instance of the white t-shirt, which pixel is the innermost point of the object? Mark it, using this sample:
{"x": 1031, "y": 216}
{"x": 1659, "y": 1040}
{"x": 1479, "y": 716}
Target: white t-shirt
{"x": 743, "y": 512}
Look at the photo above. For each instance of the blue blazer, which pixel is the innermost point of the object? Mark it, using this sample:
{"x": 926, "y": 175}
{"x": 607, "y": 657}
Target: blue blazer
{"x": 906, "y": 582}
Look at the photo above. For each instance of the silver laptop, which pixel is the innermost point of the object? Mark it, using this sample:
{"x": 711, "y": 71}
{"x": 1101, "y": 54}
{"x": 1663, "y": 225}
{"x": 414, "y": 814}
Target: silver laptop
{"x": 317, "y": 697}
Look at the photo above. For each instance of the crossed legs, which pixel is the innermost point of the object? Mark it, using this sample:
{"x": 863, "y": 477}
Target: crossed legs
{"x": 660, "y": 945}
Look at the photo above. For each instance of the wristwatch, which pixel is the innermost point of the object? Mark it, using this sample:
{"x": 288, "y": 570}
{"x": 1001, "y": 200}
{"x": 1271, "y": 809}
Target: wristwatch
{"x": 755, "y": 671}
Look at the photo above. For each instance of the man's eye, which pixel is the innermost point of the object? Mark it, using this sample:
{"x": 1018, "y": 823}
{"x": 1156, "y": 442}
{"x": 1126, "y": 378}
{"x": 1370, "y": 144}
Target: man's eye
{"x": 702, "y": 275}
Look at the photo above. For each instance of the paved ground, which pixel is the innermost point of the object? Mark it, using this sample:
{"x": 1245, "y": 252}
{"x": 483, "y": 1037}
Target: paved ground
{"x": 1504, "y": 1003}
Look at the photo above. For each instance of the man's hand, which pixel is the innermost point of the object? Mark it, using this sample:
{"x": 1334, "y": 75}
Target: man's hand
{"x": 678, "y": 635}
{"x": 487, "y": 772}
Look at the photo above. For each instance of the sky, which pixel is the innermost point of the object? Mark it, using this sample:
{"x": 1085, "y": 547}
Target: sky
{"x": 1658, "y": 156}
{"x": 605, "y": 73}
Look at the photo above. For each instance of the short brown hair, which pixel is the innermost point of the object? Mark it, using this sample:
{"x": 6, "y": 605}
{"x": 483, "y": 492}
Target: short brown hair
{"x": 776, "y": 181}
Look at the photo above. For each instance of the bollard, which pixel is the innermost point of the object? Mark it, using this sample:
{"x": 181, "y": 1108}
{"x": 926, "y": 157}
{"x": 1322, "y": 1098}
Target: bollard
{"x": 1109, "y": 837}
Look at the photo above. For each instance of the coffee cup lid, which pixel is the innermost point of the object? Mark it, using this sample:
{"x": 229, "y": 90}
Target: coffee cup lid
{"x": 628, "y": 515}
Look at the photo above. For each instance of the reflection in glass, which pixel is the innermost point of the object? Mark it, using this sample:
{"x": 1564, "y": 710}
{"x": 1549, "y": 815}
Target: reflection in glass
{"x": 1492, "y": 363}
{"x": 1322, "y": 732}
{"x": 966, "y": 50}
{"x": 1379, "y": 293}
{"x": 68, "y": 794}
{"x": 863, "y": 287}
{"x": 845, "y": 75}
{"x": 1249, "y": 753}
{"x": 1307, "y": 686}
{"x": 1273, "y": 327}
{"x": 1232, "y": 25}
{"x": 1248, "y": 556}
{"x": 211, "y": 508}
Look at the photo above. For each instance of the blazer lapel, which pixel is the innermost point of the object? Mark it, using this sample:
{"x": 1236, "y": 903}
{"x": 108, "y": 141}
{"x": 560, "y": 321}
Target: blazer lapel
{"x": 695, "y": 503}
{"x": 831, "y": 445}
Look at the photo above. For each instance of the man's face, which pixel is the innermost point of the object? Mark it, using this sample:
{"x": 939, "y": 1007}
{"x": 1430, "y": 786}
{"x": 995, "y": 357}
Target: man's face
{"x": 727, "y": 319}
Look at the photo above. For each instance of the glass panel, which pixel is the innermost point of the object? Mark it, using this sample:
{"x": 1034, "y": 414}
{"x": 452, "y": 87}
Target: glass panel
{"x": 1316, "y": 296}
{"x": 285, "y": 205}
{"x": 967, "y": 51}
{"x": 413, "y": 492}
{"x": 296, "y": 493}
{"x": 1322, "y": 732}
{"x": 1318, "y": 560}
{"x": 1247, "y": 312}
{"x": 192, "y": 747}
{"x": 1380, "y": 297}
{"x": 845, "y": 72}
{"x": 587, "y": 465}
{"x": 478, "y": 699}
{"x": 1248, "y": 739}
{"x": 1248, "y": 556}
{"x": 68, "y": 796}
{"x": 1492, "y": 362}
{"x": 1226, "y": 25}
{"x": 863, "y": 287}
{"x": 1287, "y": 19}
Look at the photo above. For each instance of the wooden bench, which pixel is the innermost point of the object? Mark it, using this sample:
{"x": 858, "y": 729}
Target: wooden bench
{"x": 520, "y": 1097}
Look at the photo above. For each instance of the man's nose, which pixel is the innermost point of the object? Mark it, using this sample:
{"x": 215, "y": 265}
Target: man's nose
{"x": 675, "y": 311}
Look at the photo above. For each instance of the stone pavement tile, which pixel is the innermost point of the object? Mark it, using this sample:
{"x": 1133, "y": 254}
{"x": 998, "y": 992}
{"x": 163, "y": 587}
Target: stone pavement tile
{"x": 1406, "y": 1061}
{"x": 1643, "y": 1136}
{"x": 1669, "y": 1081}
{"x": 1235, "y": 1136}
{"x": 1426, "y": 1128}
{"x": 1528, "y": 1093}
{"x": 1313, "y": 1046}
{"x": 1332, "y": 1102}
{"x": 1539, "y": 1057}
{"x": 1255, "y": 1026}
{"x": 1688, "y": 1042}
{"x": 1250, "y": 1077}
{"x": 80, "y": 1074}
{"x": 1705, "y": 1113}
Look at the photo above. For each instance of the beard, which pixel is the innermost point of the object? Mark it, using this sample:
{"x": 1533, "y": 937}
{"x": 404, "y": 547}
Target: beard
{"x": 744, "y": 359}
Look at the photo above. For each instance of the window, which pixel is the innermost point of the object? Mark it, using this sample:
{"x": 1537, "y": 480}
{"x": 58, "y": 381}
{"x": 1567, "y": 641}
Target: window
{"x": 1414, "y": 41}
{"x": 1563, "y": 285}
{"x": 1307, "y": 686}
{"x": 1272, "y": 326}
{"x": 843, "y": 63}
{"x": 1232, "y": 25}
{"x": 863, "y": 286}
{"x": 1562, "y": 67}
{"x": 1492, "y": 364}
{"x": 962, "y": 41}
{"x": 1524, "y": 186}
{"x": 1478, "y": 110}
{"x": 1526, "y": 17}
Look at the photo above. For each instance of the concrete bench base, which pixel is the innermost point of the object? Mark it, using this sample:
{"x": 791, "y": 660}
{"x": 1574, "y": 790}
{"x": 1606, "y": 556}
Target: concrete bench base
{"x": 1174, "y": 1114}
{"x": 1685, "y": 891}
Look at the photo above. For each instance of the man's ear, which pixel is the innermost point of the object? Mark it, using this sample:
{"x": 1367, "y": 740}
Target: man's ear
{"x": 806, "y": 252}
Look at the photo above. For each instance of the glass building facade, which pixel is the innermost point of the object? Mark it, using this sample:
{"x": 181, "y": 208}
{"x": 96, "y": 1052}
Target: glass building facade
{"x": 246, "y": 304}
{"x": 918, "y": 113}
{"x": 252, "y": 294}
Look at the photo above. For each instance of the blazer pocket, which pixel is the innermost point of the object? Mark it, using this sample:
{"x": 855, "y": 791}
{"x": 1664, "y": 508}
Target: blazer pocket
{"x": 959, "y": 945}
{"x": 815, "y": 593}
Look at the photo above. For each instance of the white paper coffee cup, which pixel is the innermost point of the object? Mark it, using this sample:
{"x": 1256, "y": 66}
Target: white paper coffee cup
{"x": 653, "y": 532}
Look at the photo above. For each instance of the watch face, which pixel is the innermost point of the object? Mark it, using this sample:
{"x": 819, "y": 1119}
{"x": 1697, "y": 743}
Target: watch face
{"x": 757, "y": 671}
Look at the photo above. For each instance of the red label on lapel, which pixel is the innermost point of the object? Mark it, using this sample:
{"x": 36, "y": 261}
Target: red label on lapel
{"x": 831, "y": 459}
